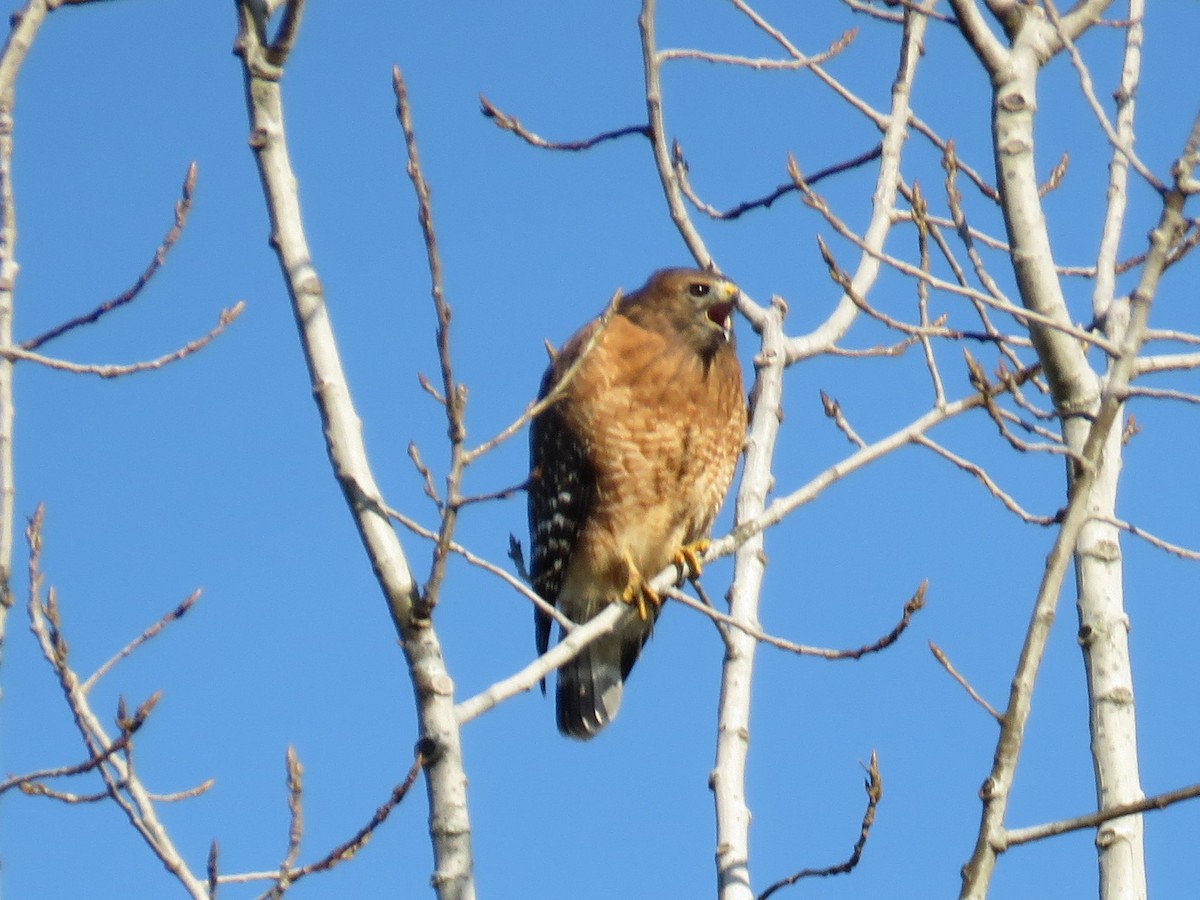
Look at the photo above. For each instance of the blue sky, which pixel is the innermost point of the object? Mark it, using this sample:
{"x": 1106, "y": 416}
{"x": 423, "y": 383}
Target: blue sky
{"x": 212, "y": 472}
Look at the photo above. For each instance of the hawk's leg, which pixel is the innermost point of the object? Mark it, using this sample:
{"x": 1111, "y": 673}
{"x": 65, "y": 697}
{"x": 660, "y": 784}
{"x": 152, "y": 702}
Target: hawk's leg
{"x": 687, "y": 559}
{"x": 638, "y": 592}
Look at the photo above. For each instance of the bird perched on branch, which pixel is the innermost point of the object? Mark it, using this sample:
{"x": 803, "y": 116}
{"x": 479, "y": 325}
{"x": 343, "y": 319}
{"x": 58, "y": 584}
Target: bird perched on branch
{"x": 629, "y": 465}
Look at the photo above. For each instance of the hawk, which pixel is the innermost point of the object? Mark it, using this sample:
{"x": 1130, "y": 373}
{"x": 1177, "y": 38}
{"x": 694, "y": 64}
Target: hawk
{"x": 628, "y": 468}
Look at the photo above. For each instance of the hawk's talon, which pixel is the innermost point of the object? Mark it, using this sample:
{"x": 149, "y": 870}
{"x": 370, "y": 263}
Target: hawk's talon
{"x": 638, "y": 593}
{"x": 687, "y": 559}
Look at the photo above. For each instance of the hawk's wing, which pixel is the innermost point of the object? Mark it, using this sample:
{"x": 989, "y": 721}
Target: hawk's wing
{"x": 561, "y": 490}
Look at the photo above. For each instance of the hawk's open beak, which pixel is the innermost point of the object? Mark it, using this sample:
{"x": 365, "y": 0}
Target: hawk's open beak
{"x": 720, "y": 313}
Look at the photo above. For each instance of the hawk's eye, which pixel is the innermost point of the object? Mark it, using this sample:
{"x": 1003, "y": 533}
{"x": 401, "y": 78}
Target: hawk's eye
{"x": 698, "y": 290}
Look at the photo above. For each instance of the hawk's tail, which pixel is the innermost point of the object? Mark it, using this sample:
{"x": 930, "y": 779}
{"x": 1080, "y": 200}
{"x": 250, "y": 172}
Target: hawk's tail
{"x": 589, "y": 690}
{"x": 590, "y": 686}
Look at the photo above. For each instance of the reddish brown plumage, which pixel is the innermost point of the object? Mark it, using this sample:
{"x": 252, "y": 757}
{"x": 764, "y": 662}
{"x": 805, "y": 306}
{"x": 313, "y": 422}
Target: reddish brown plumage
{"x": 629, "y": 465}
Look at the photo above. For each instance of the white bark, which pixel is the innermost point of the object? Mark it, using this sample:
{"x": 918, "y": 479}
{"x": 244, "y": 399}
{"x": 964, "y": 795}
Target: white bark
{"x": 440, "y": 747}
{"x": 1103, "y": 620}
{"x": 728, "y": 779}
{"x": 25, "y": 25}
{"x": 1075, "y": 389}
{"x": 1104, "y": 638}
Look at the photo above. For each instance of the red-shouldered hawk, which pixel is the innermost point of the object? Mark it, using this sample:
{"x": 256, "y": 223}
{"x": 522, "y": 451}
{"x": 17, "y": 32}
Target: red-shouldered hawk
{"x": 628, "y": 469}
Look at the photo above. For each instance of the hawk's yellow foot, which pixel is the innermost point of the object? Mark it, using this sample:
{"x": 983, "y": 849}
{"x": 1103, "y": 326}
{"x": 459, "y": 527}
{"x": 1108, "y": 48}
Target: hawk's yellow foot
{"x": 638, "y": 592}
{"x": 687, "y": 559}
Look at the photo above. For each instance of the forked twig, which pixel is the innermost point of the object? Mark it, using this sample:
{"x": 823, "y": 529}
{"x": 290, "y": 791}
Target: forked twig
{"x": 117, "y": 371}
{"x": 343, "y": 852}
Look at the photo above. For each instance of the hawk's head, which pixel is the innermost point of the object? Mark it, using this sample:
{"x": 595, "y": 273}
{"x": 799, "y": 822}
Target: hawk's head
{"x": 694, "y": 304}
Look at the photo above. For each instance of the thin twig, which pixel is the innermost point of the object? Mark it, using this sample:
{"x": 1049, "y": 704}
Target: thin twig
{"x": 986, "y": 480}
{"x": 537, "y": 407}
{"x": 882, "y": 121}
{"x": 182, "y": 208}
{"x": 966, "y": 234}
{"x": 842, "y": 279}
{"x": 37, "y": 789}
{"x": 911, "y": 607}
{"x": 343, "y": 852}
{"x": 979, "y": 380}
{"x": 123, "y": 785}
{"x": 1017, "y": 312}
{"x": 26, "y": 781}
{"x": 520, "y": 586}
{"x": 348, "y": 849}
{"x": 734, "y": 212}
{"x": 763, "y": 63}
{"x": 874, "y": 787}
{"x": 966, "y": 685}
{"x": 502, "y": 494}
{"x": 892, "y": 350}
{"x": 833, "y": 410}
{"x": 295, "y": 789}
{"x": 117, "y": 371}
{"x": 453, "y": 393}
{"x": 505, "y": 122}
{"x": 864, "y": 6}
{"x": 1163, "y": 394}
{"x": 1152, "y": 540}
{"x": 431, "y": 491}
{"x": 1016, "y": 836}
{"x": 187, "y": 794}
{"x": 1085, "y": 84}
{"x": 177, "y": 613}
{"x": 919, "y": 209}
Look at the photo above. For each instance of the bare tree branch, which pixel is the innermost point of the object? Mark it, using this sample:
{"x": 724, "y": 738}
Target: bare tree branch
{"x": 284, "y": 878}
{"x": 914, "y": 605}
{"x": 177, "y": 613}
{"x": 123, "y": 784}
{"x": 763, "y": 63}
{"x": 505, "y": 122}
{"x": 874, "y": 786}
{"x": 1017, "y": 836}
{"x": 788, "y": 187}
{"x": 227, "y": 317}
{"x": 450, "y": 829}
{"x": 182, "y": 208}
{"x": 1170, "y": 230}
{"x": 966, "y": 686}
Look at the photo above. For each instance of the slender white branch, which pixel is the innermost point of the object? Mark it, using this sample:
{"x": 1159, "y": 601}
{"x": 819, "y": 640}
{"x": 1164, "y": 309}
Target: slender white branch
{"x": 1097, "y": 441}
{"x": 25, "y": 25}
{"x": 883, "y": 200}
{"x": 449, "y": 824}
{"x": 564, "y": 651}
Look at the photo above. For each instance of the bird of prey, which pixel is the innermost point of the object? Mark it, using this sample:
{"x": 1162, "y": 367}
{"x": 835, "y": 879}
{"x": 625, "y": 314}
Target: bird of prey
{"x": 629, "y": 465}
